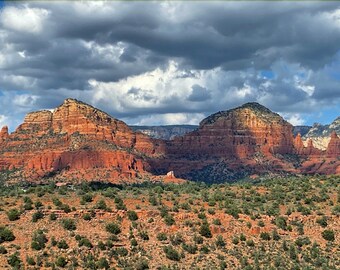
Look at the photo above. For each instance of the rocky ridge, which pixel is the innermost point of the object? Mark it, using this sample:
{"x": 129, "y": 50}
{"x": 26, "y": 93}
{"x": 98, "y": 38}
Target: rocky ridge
{"x": 77, "y": 141}
{"x": 321, "y": 134}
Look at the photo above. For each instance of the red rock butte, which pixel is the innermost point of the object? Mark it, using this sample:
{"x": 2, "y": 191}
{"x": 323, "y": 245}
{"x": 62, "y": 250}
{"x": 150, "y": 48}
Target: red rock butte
{"x": 79, "y": 142}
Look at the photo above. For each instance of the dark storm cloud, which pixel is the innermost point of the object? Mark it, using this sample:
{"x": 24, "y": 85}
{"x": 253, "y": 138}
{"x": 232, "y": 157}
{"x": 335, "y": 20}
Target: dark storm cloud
{"x": 68, "y": 45}
{"x": 199, "y": 94}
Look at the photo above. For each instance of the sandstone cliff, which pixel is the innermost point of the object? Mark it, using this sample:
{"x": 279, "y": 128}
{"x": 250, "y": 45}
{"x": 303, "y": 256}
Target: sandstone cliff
{"x": 239, "y": 133}
{"x": 4, "y": 134}
{"x": 79, "y": 142}
{"x": 75, "y": 139}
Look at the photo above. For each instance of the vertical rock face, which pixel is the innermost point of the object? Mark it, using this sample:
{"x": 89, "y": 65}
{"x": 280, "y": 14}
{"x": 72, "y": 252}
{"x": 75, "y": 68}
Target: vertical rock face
{"x": 239, "y": 133}
{"x": 298, "y": 144}
{"x": 78, "y": 141}
{"x": 35, "y": 124}
{"x": 75, "y": 138}
{"x": 309, "y": 150}
{"x": 333, "y": 149}
{"x": 4, "y": 133}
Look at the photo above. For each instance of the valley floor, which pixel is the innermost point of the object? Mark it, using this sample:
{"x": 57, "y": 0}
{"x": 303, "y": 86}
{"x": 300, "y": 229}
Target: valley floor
{"x": 281, "y": 223}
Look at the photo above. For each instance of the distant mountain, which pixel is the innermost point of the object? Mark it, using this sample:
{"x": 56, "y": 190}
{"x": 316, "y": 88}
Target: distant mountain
{"x": 168, "y": 132}
{"x": 301, "y": 129}
{"x": 321, "y": 134}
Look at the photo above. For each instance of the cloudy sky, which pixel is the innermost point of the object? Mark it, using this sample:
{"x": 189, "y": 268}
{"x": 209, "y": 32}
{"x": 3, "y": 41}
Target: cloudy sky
{"x": 171, "y": 62}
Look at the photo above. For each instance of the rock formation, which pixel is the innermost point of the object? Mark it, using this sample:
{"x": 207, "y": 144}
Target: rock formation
{"x": 298, "y": 144}
{"x": 239, "y": 133}
{"x": 321, "y": 134}
{"x": 4, "y": 134}
{"x": 75, "y": 139}
{"x": 79, "y": 142}
{"x": 333, "y": 148}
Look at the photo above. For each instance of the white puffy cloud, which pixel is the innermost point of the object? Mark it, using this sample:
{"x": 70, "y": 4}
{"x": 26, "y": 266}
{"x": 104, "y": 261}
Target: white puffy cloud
{"x": 3, "y": 120}
{"x": 167, "y": 119}
{"x": 24, "y": 19}
{"x": 295, "y": 119}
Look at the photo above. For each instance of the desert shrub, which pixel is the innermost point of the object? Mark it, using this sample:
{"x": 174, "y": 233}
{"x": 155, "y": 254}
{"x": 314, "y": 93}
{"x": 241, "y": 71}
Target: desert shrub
{"x": 123, "y": 252}
{"x": 38, "y": 204}
{"x": 205, "y": 249}
{"x": 87, "y": 216}
{"x": 56, "y": 202}
{"x": 39, "y": 240}
{"x": 120, "y": 204}
{"x": 37, "y": 215}
{"x": 336, "y": 210}
{"x": 134, "y": 242}
{"x": 169, "y": 220}
{"x": 141, "y": 264}
{"x": 113, "y": 228}
{"x": 217, "y": 221}
{"x": 101, "y": 204}
{"x": 220, "y": 241}
{"x": 235, "y": 240}
{"x": 275, "y": 235}
{"x": 202, "y": 215}
{"x": 3, "y": 250}
{"x": 144, "y": 235}
{"x": 66, "y": 208}
{"x": 198, "y": 239}
{"x": 13, "y": 214}
{"x": 301, "y": 241}
{"x": 233, "y": 211}
{"x": 85, "y": 242}
{"x": 132, "y": 215}
{"x": 162, "y": 236}
{"x": 260, "y": 223}
{"x": 265, "y": 236}
{"x": 152, "y": 199}
{"x": 28, "y": 203}
{"x": 86, "y": 198}
{"x": 61, "y": 262}
{"x": 103, "y": 264}
{"x": 53, "y": 216}
{"x": 328, "y": 235}
{"x": 171, "y": 253}
{"x": 14, "y": 261}
{"x": 30, "y": 260}
{"x": 6, "y": 235}
{"x": 292, "y": 253}
{"x": 192, "y": 249}
{"x": 176, "y": 239}
{"x": 281, "y": 222}
{"x": 101, "y": 245}
{"x": 250, "y": 243}
{"x": 205, "y": 230}
{"x": 62, "y": 244}
{"x": 243, "y": 237}
{"x": 322, "y": 221}
{"x": 68, "y": 224}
